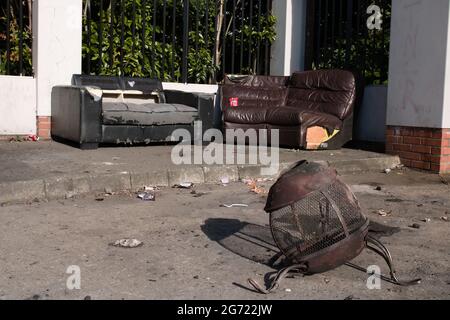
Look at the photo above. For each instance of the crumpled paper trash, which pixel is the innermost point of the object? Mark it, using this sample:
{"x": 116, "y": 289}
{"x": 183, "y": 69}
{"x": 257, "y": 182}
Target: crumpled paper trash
{"x": 127, "y": 243}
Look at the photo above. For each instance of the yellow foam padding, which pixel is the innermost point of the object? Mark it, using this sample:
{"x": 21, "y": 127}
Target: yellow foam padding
{"x": 315, "y": 136}
{"x": 335, "y": 132}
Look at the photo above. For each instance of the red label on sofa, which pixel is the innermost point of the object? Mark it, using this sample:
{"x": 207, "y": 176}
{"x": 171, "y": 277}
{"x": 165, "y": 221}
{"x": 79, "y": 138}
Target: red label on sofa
{"x": 234, "y": 102}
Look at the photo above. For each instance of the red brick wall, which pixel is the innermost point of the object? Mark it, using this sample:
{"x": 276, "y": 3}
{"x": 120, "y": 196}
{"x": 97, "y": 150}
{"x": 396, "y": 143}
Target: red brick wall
{"x": 43, "y": 127}
{"x": 420, "y": 148}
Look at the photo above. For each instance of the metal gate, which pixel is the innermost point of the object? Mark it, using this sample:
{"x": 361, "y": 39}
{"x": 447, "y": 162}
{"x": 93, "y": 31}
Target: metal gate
{"x": 16, "y": 37}
{"x": 349, "y": 34}
{"x": 177, "y": 40}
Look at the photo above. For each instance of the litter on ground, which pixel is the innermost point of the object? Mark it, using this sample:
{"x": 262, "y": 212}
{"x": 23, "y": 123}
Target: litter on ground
{"x": 234, "y": 205}
{"x": 147, "y": 196}
{"x": 383, "y": 213}
{"x": 253, "y": 185}
{"x": 183, "y": 185}
{"x": 127, "y": 243}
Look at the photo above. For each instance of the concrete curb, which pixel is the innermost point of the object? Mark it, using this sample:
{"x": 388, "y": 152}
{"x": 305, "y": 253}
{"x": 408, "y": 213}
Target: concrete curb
{"x": 70, "y": 186}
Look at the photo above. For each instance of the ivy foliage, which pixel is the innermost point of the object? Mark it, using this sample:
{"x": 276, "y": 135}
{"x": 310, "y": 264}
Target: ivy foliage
{"x": 144, "y": 38}
{"x": 366, "y": 51}
{"x": 16, "y": 36}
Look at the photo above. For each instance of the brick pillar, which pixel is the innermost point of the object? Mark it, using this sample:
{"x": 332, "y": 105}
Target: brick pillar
{"x": 420, "y": 148}
{"x": 44, "y": 125}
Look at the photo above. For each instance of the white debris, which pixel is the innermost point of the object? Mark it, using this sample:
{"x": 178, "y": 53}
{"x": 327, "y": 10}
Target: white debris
{"x": 147, "y": 196}
{"x": 384, "y": 213}
{"x": 234, "y": 205}
{"x": 225, "y": 180}
{"x": 128, "y": 243}
{"x": 184, "y": 185}
{"x": 150, "y": 188}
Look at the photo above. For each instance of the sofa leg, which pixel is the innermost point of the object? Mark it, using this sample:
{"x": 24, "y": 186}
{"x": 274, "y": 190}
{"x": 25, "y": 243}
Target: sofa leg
{"x": 88, "y": 146}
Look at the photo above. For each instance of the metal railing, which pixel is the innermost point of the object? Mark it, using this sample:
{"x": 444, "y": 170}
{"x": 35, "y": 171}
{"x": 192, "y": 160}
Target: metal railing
{"x": 15, "y": 37}
{"x": 177, "y": 40}
{"x": 338, "y": 36}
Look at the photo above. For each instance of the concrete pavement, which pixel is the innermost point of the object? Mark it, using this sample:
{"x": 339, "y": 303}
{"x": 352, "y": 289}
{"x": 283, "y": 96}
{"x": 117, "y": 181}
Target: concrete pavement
{"x": 50, "y": 170}
{"x": 195, "y": 249}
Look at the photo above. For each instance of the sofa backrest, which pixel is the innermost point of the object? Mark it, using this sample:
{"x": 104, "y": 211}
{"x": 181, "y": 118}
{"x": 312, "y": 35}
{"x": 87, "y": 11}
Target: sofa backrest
{"x": 103, "y": 82}
{"x": 145, "y": 85}
{"x": 256, "y": 80}
{"x": 328, "y": 91}
{"x": 253, "y": 96}
{"x": 254, "y": 90}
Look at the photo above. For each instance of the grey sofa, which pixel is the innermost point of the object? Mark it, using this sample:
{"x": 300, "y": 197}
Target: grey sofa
{"x": 124, "y": 110}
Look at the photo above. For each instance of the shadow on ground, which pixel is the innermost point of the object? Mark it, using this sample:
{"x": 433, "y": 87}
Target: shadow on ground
{"x": 255, "y": 242}
{"x": 248, "y": 240}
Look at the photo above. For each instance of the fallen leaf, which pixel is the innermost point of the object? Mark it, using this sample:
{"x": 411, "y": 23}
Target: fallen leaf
{"x": 255, "y": 188}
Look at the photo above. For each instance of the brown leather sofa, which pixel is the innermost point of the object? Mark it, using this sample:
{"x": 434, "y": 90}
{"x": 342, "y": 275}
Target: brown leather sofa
{"x": 311, "y": 110}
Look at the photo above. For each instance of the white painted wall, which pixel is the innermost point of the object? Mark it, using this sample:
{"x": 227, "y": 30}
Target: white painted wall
{"x": 56, "y": 46}
{"x": 288, "y": 50}
{"x": 191, "y": 87}
{"x": 17, "y": 105}
{"x": 419, "y": 72}
{"x": 446, "y": 111}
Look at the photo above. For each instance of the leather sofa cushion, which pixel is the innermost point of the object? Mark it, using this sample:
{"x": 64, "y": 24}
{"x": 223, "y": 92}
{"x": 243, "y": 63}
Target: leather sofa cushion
{"x": 290, "y": 116}
{"x": 329, "y": 91}
{"x": 334, "y": 80}
{"x": 247, "y": 115}
{"x": 284, "y": 116}
{"x": 334, "y": 103}
{"x": 254, "y": 96}
{"x": 118, "y": 113}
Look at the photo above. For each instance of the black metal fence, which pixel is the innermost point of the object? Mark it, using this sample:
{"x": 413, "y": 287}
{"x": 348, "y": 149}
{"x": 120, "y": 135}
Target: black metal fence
{"x": 15, "y": 37}
{"x": 177, "y": 40}
{"x": 338, "y": 37}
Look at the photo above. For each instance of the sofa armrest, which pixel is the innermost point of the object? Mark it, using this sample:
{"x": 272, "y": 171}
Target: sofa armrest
{"x": 76, "y": 114}
{"x": 203, "y": 102}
